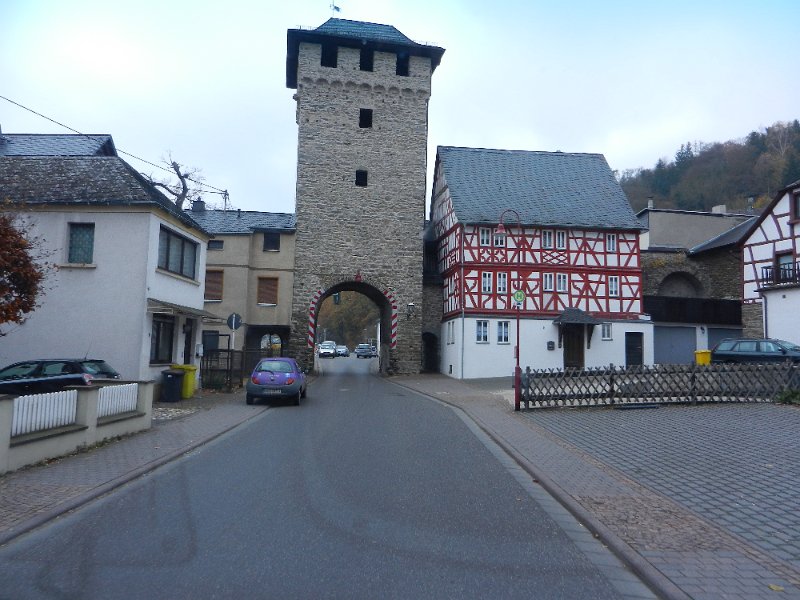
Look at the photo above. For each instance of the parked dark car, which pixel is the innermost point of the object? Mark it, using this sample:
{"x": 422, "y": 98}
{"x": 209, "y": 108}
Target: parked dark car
{"x": 52, "y": 375}
{"x": 276, "y": 378}
{"x": 754, "y": 351}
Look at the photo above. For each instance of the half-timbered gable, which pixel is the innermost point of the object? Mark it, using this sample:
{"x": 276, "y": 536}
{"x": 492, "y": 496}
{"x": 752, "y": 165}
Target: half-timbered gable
{"x": 771, "y": 264}
{"x": 570, "y": 240}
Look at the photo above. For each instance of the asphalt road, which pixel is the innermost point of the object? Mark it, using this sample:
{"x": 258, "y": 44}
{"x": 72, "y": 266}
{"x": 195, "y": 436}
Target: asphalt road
{"x": 367, "y": 490}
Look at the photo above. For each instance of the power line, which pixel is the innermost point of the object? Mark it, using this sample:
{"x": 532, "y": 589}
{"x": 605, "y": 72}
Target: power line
{"x": 87, "y": 136}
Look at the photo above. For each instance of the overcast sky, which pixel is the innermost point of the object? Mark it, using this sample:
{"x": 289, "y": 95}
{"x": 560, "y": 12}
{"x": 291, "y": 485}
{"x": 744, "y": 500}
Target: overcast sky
{"x": 205, "y": 81}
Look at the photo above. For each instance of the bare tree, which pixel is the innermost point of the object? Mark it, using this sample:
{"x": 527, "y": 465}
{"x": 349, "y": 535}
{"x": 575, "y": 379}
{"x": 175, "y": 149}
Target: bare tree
{"x": 186, "y": 188}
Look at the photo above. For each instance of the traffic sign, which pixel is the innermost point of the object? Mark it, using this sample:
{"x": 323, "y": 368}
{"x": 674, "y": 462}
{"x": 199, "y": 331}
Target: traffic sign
{"x": 519, "y": 296}
{"x": 234, "y": 321}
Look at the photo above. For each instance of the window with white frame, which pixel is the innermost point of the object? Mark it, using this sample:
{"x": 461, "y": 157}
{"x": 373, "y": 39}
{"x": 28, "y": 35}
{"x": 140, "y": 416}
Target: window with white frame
{"x": 451, "y": 336}
{"x": 500, "y": 240}
{"x": 482, "y": 332}
{"x": 613, "y": 285}
{"x": 547, "y": 238}
{"x": 561, "y": 282}
{"x": 502, "y": 283}
{"x": 611, "y": 242}
{"x": 605, "y": 331}
{"x": 561, "y": 240}
{"x": 485, "y": 236}
{"x": 502, "y": 332}
{"x": 547, "y": 282}
{"x": 486, "y": 282}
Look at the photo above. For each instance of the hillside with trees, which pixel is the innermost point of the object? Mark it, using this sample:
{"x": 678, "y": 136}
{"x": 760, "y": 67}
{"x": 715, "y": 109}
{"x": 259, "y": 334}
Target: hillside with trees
{"x": 351, "y": 321}
{"x": 704, "y": 175}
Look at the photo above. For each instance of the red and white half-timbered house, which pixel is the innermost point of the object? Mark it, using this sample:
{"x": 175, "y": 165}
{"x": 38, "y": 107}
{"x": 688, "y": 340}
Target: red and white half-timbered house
{"x": 771, "y": 265}
{"x": 569, "y": 242}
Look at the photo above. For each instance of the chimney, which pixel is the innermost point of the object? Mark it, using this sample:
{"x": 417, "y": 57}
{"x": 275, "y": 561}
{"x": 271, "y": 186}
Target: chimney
{"x": 719, "y": 209}
{"x": 650, "y": 202}
{"x": 198, "y": 205}
{"x": 750, "y": 203}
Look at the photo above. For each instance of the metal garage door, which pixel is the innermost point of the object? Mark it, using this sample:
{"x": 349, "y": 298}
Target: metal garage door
{"x": 674, "y": 345}
{"x": 716, "y": 335}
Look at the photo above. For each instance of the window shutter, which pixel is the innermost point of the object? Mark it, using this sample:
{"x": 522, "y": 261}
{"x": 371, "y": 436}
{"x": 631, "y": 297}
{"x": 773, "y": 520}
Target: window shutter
{"x": 267, "y": 290}
{"x": 214, "y": 285}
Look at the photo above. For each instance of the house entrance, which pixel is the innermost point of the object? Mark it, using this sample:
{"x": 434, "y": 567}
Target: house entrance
{"x": 573, "y": 345}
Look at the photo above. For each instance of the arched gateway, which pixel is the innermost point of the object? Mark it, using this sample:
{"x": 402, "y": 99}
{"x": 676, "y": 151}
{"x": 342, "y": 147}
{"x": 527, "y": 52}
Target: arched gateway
{"x": 362, "y": 116}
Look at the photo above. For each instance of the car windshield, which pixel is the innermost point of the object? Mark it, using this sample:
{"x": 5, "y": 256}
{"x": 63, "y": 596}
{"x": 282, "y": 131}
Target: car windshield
{"x": 789, "y": 345}
{"x": 276, "y": 366}
{"x": 364, "y": 346}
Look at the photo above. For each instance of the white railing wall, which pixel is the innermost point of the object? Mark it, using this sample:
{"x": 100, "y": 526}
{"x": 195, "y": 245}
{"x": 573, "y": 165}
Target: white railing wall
{"x": 37, "y": 412}
{"x": 117, "y": 399}
{"x": 43, "y": 426}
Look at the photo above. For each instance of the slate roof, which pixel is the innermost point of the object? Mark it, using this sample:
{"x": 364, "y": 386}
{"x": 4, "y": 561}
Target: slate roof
{"x": 81, "y": 180}
{"x": 47, "y": 144}
{"x": 546, "y": 188}
{"x": 241, "y": 222}
{"x": 732, "y": 236}
{"x": 360, "y": 30}
{"x": 354, "y": 34}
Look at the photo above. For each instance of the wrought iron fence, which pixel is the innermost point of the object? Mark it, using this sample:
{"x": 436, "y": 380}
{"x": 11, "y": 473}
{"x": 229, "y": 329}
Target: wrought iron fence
{"x": 657, "y": 384}
{"x": 227, "y": 369}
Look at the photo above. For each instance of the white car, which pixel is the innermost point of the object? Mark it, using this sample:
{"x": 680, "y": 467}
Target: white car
{"x": 327, "y": 350}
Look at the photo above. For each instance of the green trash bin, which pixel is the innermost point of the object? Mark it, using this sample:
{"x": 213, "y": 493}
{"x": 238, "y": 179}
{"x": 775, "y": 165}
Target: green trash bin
{"x": 171, "y": 382}
{"x": 189, "y": 375}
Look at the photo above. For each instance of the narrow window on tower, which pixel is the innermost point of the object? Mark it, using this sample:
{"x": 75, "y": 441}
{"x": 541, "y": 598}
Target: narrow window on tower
{"x": 361, "y": 178}
{"x": 366, "y": 59}
{"x": 365, "y": 118}
{"x": 329, "y": 55}
{"x": 402, "y": 64}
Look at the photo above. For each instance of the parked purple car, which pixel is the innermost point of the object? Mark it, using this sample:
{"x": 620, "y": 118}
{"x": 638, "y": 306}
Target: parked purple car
{"x": 278, "y": 378}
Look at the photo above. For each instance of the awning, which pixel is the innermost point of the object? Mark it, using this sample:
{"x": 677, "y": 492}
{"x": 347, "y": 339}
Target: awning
{"x": 160, "y": 307}
{"x": 575, "y": 316}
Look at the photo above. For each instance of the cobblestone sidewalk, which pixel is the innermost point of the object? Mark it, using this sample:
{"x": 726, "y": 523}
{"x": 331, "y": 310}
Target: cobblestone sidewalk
{"x": 699, "y": 500}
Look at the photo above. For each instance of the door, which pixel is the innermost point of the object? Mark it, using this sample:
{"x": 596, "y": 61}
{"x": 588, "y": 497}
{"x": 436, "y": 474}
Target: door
{"x": 188, "y": 345}
{"x": 572, "y": 341}
{"x": 634, "y": 348}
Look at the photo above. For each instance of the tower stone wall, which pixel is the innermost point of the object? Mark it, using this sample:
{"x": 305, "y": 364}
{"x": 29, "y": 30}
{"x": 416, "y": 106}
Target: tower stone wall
{"x": 361, "y": 234}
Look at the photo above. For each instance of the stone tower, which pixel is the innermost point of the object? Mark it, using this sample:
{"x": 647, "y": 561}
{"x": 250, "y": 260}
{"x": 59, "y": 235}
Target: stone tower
{"x": 362, "y": 117}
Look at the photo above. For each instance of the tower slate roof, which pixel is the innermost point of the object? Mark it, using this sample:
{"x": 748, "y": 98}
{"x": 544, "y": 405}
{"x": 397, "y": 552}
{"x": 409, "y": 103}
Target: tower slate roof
{"x": 241, "y": 222}
{"x": 48, "y": 144}
{"x": 555, "y": 189}
{"x": 355, "y": 34}
{"x": 81, "y": 181}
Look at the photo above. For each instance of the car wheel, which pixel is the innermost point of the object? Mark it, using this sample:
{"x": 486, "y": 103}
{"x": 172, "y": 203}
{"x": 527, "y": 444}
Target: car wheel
{"x": 248, "y": 398}
{"x": 303, "y": 393}
{"x": 296, "y": 400}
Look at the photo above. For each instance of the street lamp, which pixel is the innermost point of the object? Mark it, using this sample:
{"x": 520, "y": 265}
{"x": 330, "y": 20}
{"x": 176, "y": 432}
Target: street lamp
{"x": 519, "y": 298}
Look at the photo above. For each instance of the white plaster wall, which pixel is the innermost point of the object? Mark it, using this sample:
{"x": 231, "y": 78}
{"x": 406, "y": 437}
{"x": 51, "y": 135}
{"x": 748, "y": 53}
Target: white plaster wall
{"x": 493, "y": 359}
{"x": 780, "y": 314}
{"x": 95, "y": 311}
{"x": 172, "y": 288}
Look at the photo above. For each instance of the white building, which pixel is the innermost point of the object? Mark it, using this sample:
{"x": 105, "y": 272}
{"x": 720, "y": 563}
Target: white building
{"x": 128, "y": 266}
{"x": 771, "y": 267}
{"x": 569, "y": 252}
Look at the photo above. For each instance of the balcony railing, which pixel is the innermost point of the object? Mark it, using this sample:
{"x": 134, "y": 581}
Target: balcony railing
{"x": 782, "y": 274}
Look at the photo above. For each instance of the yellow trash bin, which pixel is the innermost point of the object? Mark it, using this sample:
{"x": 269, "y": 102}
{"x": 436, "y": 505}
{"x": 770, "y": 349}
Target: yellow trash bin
{"x": 189, "y": 375}
{"x": 701, "y": 357}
